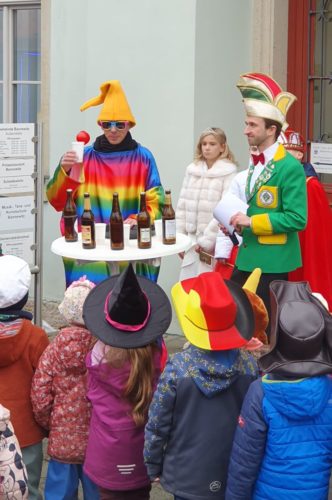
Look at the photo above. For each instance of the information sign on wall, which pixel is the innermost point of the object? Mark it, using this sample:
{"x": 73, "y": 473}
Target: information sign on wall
{"x": 15, "y": 175}
{"x": 16, "y": 140}
{"x": 321, "y": 157}
{"x": 17, "y": 196}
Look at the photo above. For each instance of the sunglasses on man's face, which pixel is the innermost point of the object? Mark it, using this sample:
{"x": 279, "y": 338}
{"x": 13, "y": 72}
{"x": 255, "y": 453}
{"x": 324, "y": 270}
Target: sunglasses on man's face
{"x": 108, "y": 125}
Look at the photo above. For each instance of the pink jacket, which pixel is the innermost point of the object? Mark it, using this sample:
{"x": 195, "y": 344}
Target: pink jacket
{"x": 58, "y": 394}
{"x": 114, "y": 457}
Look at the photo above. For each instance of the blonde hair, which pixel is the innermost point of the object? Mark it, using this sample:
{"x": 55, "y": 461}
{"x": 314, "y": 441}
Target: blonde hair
{"x": 140, "y": 384}
{"x": 221, "y": 138}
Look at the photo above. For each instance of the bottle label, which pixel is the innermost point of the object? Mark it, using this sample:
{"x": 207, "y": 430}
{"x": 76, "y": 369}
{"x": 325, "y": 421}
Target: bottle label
{"x": 86, "y": 234}
{"x": 170, "y": 229}
{"x": 145, "y": 233}
{"x": 69, "y": 218}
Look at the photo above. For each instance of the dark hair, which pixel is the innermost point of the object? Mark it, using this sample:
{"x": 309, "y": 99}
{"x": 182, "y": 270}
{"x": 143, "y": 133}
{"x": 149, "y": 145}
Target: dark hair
{"x": 270, "y": 123}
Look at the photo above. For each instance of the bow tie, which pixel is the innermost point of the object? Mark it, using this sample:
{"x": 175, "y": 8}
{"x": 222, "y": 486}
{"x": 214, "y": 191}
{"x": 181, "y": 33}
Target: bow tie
{"x": 258, "y": 158}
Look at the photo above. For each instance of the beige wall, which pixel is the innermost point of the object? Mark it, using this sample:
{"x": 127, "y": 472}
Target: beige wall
{"x": 178, "y": 61}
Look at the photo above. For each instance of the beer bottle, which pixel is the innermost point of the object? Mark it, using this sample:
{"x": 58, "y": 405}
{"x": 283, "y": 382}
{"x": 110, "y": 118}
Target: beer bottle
{"x": 88, "y": 224}
{"x": 143, "y": 225}
{"x": 168, "y": 220}
{"x": 69, "y": 216}
{"x": 116, "y": 225}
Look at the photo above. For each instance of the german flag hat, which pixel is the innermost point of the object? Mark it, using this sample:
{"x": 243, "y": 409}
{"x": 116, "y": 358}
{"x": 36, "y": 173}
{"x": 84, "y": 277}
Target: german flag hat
{"x": 214, "y": 314}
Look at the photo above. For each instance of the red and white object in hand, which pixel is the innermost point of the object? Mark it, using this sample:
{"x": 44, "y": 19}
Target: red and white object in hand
{"x": 82, "y": 138}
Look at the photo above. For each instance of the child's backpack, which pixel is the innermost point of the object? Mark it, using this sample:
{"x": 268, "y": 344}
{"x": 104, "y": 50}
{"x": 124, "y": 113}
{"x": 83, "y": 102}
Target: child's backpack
{"x": 13, "y": 474}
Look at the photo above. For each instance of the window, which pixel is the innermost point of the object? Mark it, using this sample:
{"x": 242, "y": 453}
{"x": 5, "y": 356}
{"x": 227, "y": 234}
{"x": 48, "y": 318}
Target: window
{"x": 320, "y": 73}
{"x": 309, "y": 72}
{"x": 321, "y": 69}
{"x": 20, "y": 69}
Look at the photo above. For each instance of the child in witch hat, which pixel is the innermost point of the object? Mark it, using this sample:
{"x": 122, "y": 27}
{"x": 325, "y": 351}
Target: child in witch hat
{"x": 58, "y": 396}
{"x": 193, "y": 414}
{"x": 128, "y": 314}
{"x": 283, "y": 444}
{"x": 21, "y": 345}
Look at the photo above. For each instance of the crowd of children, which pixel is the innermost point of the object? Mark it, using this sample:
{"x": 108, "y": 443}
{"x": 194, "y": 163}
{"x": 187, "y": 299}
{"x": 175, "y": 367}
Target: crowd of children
{"x": 118, "y": 420}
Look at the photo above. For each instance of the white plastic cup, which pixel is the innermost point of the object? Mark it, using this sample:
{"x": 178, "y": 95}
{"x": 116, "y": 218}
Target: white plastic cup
{"x": 158, "y": 225}
{"x": 78, "y": 147}
{"x": 100, "y": 228}
{"x": 126, "y": 233}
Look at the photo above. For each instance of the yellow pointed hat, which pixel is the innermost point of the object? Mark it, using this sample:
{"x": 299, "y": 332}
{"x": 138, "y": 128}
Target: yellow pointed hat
{"x": 115, "y": 104}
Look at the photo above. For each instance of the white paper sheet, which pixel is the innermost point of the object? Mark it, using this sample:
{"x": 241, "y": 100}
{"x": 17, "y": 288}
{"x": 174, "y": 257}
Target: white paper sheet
{"x": 227, "y": 207}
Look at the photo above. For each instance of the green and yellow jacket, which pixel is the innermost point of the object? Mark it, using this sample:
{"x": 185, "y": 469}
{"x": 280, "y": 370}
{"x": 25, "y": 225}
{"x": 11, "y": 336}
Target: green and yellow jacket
{"x": 278, "y": 210}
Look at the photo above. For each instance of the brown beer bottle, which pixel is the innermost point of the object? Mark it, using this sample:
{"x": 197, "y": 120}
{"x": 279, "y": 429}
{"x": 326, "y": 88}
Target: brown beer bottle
{"x": 143, "y": 225}
{"x": 88, "y": 224}
{"x": 116, "y": 225}
{"x": 168, "y": 220}
{"x": 69, "y": 216}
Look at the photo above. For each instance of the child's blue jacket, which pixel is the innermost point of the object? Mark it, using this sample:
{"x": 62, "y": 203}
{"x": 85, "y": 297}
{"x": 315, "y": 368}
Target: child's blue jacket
{"x": 283, "y": 443}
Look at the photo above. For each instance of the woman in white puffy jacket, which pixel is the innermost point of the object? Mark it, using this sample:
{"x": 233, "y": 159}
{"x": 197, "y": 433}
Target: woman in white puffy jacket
{"x": 205, "y": 182}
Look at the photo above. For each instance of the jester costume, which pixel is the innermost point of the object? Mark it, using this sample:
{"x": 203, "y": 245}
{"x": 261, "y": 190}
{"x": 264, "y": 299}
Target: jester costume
{"x": 124, "y": 167}
{"x": 127, "y": 172}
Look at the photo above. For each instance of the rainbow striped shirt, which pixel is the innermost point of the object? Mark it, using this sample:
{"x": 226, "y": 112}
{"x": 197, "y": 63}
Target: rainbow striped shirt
{"x": 126, "y": 172}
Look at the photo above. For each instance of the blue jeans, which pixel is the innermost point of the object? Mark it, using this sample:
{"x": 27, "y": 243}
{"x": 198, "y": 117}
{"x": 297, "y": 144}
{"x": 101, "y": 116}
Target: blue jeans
{"x": 179, "y": 498}
{"x": 62, "y": 481}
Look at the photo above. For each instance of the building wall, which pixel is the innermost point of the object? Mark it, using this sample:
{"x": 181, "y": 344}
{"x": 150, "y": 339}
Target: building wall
{"x": 178, "y": 63}
{"x": 223, "y": 52}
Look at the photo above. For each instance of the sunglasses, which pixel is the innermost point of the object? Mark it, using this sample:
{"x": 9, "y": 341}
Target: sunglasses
{"x": 108, "y": 125}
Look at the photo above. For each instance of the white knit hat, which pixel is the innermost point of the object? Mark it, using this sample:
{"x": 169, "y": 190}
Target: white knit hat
{"x": 15, "y": 278}
{"x": 71, "y": 307}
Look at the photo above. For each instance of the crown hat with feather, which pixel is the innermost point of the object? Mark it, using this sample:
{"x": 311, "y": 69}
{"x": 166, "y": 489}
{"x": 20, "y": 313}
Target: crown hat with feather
{"x": 263, "y": 97}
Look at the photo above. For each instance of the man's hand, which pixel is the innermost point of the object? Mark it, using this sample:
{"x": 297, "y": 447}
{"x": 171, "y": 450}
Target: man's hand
{"x": 239, "y": 221}
{"x": 68, "y": 160}
{"x": 223, "y": 229}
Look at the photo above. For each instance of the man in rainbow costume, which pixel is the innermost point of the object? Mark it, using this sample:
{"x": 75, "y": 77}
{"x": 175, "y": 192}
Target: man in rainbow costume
{"x": 114, "y": 162}
{"x": 274, "y": 187}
